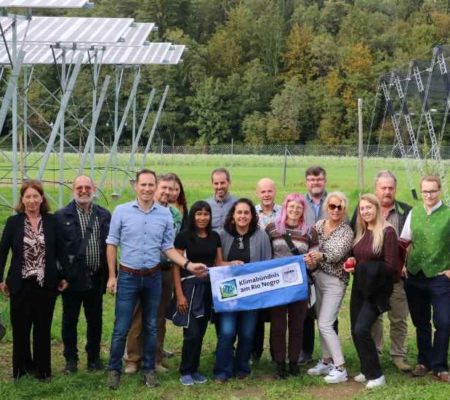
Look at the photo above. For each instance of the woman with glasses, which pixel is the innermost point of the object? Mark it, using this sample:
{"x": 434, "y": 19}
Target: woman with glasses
{"x": 331, "y": 280}
{"x": 290, "y": 235}
{"x": 244, "y": 241}
{"x": 376, "y": 255}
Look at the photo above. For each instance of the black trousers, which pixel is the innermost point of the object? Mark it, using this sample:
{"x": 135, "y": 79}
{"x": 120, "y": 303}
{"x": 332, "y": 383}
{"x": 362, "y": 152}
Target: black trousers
{"x": 363, "y": 314}
{"x": 92, "y": 301}
{"x": 32, "y": 307}
{"x": 309, "y": 331}
{"x": 192, "y": 345}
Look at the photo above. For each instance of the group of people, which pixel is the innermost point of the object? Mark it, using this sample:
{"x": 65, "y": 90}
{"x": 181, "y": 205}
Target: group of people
{"x": 397, "y": 256}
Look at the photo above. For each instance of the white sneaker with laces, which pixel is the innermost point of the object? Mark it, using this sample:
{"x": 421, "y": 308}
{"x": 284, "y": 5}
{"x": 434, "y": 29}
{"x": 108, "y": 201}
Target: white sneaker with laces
{"x": 373, "y": 383}
{"x": 337, "y": 375}
{"x": 320, "y": 369}
{"x": 360, "y": 378}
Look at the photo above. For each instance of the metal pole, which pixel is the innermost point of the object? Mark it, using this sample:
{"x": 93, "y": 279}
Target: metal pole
{"x": 285, "y": 164}
{"x": 232, "y": 152}
{"x": 14, "y": 117}
{"x": 61, "y": 132}
{"x": 155, "y": 124}
{"x": 360, "y": 146}
{"x": 162, "y": 153}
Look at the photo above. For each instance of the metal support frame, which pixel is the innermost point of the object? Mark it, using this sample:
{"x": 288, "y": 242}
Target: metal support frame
{"x": 435, "y": 151}
{"x": 398, "y": 136}
{"x": 112, "y": 158}
{"x": 407, "y": 117}
{"x": 155, "y": 124}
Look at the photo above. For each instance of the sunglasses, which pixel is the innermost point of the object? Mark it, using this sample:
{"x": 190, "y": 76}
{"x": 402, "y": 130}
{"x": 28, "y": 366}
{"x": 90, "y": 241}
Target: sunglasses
{"x": 240, "y": 241}
{"x": 333, "y": 207}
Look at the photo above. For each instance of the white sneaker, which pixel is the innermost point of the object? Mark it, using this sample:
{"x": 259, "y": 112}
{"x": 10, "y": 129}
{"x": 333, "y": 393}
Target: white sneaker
{"x": 373, "y": 383}
{"x": 320, "y": 369}
{"x": 360, "y": 378}
{"x": 337, "y": 375}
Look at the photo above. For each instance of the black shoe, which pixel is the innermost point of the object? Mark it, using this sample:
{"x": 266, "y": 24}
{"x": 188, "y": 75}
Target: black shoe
{"x": 281, "y": 370}
{"x": 71, "y": 367}
{"x": 96, "y": 365}
{"x": 293, "y": 368}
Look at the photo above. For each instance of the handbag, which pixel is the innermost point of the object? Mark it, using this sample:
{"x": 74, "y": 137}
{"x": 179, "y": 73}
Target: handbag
{"x": 311, "y": 286}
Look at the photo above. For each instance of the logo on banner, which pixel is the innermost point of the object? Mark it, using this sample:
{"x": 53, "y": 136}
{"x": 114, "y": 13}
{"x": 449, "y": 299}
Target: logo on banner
{"x": 260, "y": 282}
{"x": 228, "y": 289}
{"x": 290, "y": 274}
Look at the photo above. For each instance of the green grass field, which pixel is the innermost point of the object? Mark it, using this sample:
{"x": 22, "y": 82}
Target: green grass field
{"x": 195, "y": 172}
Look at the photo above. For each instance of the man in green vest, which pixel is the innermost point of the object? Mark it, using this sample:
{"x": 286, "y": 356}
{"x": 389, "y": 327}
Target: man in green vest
{"x": 427, "y": 229}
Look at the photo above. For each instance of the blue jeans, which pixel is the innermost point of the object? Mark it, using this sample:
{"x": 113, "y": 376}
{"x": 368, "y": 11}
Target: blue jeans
{"x": 243, "y": 325}
{"x": 424, "y": 294}
{"x": 130, "y": 288}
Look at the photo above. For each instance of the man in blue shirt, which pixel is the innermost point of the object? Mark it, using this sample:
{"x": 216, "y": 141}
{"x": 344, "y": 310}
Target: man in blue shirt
{"x": 143, "y": 229}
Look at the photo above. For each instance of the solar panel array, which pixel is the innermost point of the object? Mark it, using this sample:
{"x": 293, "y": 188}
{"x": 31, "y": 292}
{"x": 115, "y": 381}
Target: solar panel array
{"x": 122, "y": 41}
{"x": 43, "y": 3}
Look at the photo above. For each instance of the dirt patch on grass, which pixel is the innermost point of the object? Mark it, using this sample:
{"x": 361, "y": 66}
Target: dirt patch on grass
{"x": 347, "y": 390}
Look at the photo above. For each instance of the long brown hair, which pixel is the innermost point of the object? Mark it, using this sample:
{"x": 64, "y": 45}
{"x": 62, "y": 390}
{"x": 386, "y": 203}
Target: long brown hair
{"x": 36, "y": 185}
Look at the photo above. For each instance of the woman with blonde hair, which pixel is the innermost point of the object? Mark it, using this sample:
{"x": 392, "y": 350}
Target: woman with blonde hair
{"x": 376, "y": 256}
{"x": 331, "y": 280}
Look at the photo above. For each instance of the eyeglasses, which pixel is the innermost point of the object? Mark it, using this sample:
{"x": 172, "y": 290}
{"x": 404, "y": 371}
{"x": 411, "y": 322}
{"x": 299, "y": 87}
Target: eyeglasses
{"x": 83, "y": 188}
{"x": 240, "y": 241}
{"x": 429, "y": 192}
{"x": 333, "y": 207}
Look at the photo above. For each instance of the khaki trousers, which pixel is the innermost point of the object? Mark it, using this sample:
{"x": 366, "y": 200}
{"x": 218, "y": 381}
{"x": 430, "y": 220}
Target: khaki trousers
{"x": 135, "y": 338}
{"x": 398, "y": 317}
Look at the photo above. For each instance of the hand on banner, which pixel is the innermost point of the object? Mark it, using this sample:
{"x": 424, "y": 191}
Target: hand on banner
{"x": 310, "y": 261}
{"x": 236, "y": 262}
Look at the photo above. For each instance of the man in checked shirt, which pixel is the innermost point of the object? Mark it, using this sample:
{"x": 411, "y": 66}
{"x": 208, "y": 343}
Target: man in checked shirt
{"x": 90, "y": 268}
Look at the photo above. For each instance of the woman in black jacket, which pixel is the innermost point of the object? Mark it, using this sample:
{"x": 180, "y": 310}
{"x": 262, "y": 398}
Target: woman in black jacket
{"x": 33, "y": 279}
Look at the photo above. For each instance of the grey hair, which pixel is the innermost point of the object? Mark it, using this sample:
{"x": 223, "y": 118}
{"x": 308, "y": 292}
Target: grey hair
{"x": 385, "y": 173}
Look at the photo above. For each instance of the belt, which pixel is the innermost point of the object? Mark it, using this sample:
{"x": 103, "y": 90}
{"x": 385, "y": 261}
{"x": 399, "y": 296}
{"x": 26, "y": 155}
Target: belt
{"x": 141, "y": 272}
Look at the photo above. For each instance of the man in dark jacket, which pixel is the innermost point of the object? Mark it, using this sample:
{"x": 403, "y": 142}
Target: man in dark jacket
{"x": 84, "y": 226}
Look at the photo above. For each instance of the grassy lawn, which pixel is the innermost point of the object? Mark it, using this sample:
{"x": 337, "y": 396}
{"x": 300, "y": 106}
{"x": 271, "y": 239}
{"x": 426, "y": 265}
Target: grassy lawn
{"x": 195, "y": 171}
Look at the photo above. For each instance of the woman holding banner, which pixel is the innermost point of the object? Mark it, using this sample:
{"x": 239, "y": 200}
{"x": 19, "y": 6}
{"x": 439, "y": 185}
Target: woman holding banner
{"x": 331, "y": 280}
{"x": 193, "y": 292}
{"x": 242, "y": 240}
{"x": 290, "y": 235}
{"x": 376, "y": 254}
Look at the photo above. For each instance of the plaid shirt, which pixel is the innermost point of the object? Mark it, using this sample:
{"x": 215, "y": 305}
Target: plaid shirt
{"x": 93, "y": 246}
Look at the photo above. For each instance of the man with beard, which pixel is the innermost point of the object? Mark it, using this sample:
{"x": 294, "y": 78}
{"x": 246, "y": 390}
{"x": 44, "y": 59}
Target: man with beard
{"x": 84, "y": 226}
{"x": 164, "y": 189}
{"x": 222, "y": 200}
{"x": 394, "y": 212}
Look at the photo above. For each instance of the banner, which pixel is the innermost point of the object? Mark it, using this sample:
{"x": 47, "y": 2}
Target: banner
{"x": 259, "y": 285}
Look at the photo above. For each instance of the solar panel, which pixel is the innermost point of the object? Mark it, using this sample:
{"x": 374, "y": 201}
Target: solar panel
{"x": 137, "y": 34}
{"x": 154, "y": 53}
{"x": 174, "y": 54}
{"x": 71, "y": 30}
{"x": 43, "y": 3}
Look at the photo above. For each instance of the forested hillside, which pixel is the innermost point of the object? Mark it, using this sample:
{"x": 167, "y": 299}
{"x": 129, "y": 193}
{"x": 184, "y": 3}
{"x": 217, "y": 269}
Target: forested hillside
{"x": 279, "y": 71}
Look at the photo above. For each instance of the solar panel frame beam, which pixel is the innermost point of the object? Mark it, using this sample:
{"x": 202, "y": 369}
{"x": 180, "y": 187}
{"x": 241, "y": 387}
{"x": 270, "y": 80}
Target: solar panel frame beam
{"x": 60, "y": 116}
{"x": 113, "y": 151}
{"x": 95, "y": 117}
{"x": 155, "y": 124}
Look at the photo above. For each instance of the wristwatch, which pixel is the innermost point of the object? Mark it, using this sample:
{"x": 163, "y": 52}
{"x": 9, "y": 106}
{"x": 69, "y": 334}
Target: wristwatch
{"x": 186, "y": 264}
